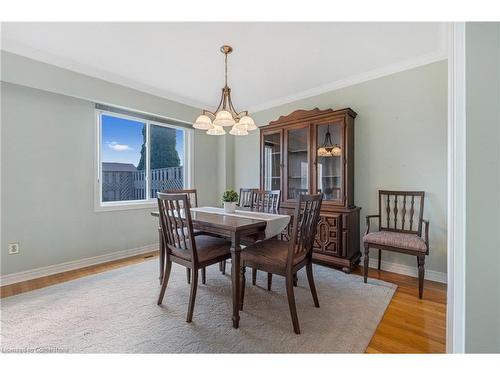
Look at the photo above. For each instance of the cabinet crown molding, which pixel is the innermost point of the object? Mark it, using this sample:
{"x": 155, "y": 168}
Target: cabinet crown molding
{"x": 304, "y": 115}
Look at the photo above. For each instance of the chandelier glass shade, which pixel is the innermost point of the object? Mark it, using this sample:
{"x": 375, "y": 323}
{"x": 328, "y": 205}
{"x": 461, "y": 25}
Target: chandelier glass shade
{"x": 329, "y": 149}
{"x": 216, "y": 130}
{"x": 238, "y": 129}
{"x": 247, "y": 122}
{"x": 203, "y": 122}
{"x": 224, "y": 118}
{"x": 225, "y": 114}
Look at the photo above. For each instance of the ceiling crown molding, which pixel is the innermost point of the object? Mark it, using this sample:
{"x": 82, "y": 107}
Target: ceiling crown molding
{"x": 29, "y": 52}
{"x": 439, "y": 55}
{"x": 354, "y": 80}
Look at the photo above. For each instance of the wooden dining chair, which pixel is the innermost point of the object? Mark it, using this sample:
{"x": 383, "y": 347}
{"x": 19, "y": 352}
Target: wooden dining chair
{"x": 295, "y": 192}
{"x": 183, "y": 247}
{"x": 287, "y": 258}
{"x": 191, "y": 193}
{"x": 265, "y": 201}
{"x": 193, "y": 202}
{"x": 192, "y": 196}
{"x": 246, "y": 197}
{"x": 400, "y": 224}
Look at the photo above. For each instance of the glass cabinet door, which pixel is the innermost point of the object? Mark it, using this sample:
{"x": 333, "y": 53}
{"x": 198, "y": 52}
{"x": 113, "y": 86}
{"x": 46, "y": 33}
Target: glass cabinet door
{"x": 297, "y": 162}
{"x": 271, "y": 160}
{"x": 329, "y": 161}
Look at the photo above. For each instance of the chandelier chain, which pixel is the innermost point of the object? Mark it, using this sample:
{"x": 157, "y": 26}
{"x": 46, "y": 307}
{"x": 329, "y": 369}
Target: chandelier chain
{"x": 225, "y": 68}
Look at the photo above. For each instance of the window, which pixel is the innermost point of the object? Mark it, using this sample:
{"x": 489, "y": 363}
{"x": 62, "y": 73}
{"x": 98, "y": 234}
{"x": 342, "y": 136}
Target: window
{"x": 137, "y": 158}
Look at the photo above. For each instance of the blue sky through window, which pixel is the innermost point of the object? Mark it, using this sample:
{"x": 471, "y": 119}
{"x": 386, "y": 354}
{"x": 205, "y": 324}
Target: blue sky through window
{"x": 122, "y": 140}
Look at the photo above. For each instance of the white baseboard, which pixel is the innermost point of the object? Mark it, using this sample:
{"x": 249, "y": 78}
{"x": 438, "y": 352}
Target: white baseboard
{"x": 403, "y": 269}
{"x": 73, "y": 265}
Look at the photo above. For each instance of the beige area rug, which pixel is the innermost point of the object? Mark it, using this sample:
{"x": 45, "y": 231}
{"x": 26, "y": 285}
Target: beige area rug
{"x": 116, "y": 312}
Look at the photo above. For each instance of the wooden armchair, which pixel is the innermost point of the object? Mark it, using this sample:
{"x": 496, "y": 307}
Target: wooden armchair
{"x": 400, "y": 217}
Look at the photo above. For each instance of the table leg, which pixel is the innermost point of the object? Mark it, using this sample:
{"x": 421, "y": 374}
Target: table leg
{"x": 161, "y": 255}
{"x": 235, "y": 276}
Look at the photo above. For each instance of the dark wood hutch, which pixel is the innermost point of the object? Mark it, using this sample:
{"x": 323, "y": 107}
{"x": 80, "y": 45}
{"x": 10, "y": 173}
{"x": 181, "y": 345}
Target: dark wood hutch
{"x": 289, "y": 162}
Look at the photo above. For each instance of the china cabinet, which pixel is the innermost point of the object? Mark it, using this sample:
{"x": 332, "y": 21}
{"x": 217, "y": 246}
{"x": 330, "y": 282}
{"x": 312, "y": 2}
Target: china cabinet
{"x": 312, "y": 151}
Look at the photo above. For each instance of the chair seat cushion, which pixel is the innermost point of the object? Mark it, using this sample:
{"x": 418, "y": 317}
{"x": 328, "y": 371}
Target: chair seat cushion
{"x": 268, "y": 253}
{"x": 406, "y": 241}
{"x": 208, "y": 248}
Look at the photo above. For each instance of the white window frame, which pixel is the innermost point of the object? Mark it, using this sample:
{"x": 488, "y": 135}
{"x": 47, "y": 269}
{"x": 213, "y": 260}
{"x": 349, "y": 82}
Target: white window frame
{"x": 149, "y": 202}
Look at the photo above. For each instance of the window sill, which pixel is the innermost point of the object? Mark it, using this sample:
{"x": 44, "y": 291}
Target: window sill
{"x": 123, "y": 206}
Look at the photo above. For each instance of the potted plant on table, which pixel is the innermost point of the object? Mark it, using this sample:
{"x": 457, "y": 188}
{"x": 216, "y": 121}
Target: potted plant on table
{"x": 230, "y": 197}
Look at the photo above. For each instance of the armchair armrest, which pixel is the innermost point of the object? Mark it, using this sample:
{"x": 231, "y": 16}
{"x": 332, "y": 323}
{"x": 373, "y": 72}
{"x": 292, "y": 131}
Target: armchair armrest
{"x": 426, "y": 238}
{"x": 368, "y": 217}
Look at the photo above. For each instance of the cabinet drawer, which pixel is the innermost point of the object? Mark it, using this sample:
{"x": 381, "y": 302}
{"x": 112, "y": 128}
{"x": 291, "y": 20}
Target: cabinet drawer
{"x": 330, "y": 247}
{"x": 328, "y": 235}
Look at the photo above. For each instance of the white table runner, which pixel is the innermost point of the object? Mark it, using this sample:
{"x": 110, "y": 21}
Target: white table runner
{"x": 275, "y": 223}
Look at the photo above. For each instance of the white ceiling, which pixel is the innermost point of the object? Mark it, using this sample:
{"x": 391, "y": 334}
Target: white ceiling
{"x": 272, "y": 63}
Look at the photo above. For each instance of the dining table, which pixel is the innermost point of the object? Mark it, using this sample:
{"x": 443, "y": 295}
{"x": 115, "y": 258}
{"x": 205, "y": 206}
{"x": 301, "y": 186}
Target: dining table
{"x": 238, "y": 227}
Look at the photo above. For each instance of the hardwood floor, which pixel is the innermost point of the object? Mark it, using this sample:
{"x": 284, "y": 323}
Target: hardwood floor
{"x": 409, "y": 325}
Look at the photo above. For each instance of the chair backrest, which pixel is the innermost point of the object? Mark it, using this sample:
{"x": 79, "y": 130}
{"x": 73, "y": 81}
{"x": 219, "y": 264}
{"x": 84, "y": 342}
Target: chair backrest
{"x": 246, "y": 197}
{"x": 191, "y": 193}
{"x": 401, "y": 211}
{"x": 176, "y": 224}
{"x": 305, "y": 222}
{"x": 266, "y": 200}
{"x": 293, "y": 193}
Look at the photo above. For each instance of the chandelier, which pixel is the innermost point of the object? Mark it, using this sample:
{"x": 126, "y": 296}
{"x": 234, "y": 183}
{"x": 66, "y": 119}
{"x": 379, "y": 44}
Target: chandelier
{"x": 328, "y": 148}
{"x": 225, "y": 114}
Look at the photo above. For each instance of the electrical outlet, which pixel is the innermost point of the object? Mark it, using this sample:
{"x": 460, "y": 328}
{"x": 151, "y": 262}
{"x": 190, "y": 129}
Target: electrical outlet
{"x": 14, "y": 248}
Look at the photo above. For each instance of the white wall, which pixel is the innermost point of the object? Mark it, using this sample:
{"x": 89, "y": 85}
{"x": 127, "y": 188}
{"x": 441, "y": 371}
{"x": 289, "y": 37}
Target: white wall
{"x": 400, "y": 143}
{"x": 482, "y": 276}
{"x": 47, "y": 162}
